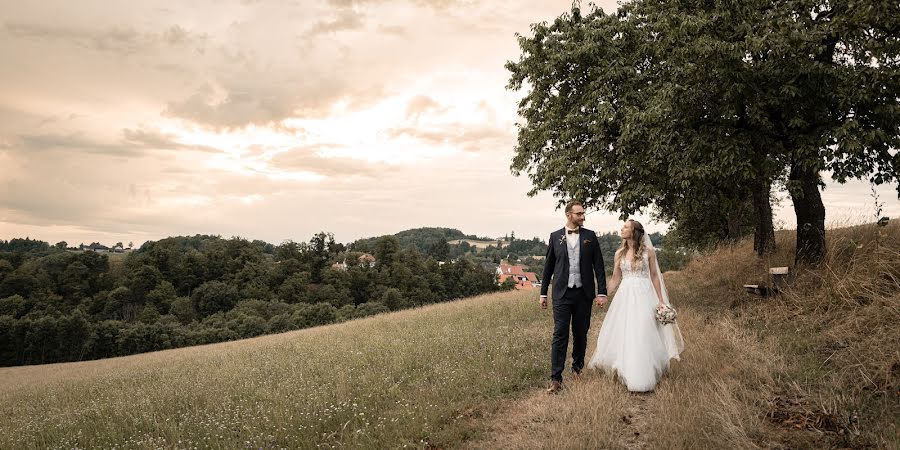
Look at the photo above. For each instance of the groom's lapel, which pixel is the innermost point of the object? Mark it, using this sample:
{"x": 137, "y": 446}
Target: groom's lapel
{"x": 565, "y": 246}
{"x": 584, "y": 237}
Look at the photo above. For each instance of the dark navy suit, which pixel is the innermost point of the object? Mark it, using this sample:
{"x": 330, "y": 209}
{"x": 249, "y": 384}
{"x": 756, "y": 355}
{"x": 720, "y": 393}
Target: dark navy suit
{"x": 572, "y": 305}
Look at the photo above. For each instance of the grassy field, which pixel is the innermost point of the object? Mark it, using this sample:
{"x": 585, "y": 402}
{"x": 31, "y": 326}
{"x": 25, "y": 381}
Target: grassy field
{"x": 398, "y": 380}
{"x": 817, "y": 367}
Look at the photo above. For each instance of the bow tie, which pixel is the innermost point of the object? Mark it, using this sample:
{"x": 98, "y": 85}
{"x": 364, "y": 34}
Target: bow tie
{"x": 575, "y": 231}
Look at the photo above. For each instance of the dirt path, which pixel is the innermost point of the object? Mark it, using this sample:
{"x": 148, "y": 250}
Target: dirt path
{"x": 635, "y": 433}
{"x": 595, "y": 412}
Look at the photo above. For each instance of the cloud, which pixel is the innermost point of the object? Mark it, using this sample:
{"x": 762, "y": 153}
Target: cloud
{"x": 152, "y": 139}
{"x": 121, "y": 40}
{"x": 395, "y": 30}
{"x": 241, "y": 103}
{"x": 347, "y": 20}
{"x": 422, "y": 104}
{"x": 309, "y": 159}
{"x": 142, "y": 122}
{"x": 132, "y": 143}
{"x": 50, "y": 142}
{"x": 439, "y": 5}
{"x": 468, "y": 137}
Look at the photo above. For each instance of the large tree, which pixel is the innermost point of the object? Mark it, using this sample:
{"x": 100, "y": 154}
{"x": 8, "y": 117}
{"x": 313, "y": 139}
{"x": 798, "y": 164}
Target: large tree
{"x": 836, "y": 68}
{"x": 620, "y": 118}
{"x": 682, "y": 105}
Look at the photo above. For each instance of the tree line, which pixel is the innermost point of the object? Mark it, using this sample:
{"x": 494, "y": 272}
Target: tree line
{"x": 59, "y": 305}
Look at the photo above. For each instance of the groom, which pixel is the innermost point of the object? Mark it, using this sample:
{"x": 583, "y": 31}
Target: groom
{"x": 573, "y": 260}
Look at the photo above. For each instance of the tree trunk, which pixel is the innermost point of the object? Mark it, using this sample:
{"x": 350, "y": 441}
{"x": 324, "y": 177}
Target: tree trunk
{"x": 764, "y": 234}
{"x": 810, "y": 213}
{"x": 734, "y": 225}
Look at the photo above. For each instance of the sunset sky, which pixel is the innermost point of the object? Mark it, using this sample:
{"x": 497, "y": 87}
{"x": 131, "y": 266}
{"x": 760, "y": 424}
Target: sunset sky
{"x": 273, "y": 120}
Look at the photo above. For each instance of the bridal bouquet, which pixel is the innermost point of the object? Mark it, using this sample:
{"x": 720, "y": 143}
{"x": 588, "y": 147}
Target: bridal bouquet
{"x": 665, "y": 314}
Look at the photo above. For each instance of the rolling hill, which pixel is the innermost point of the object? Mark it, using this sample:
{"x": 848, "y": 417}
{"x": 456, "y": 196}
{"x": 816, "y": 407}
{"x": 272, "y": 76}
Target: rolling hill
{"x": 813, "y": 368}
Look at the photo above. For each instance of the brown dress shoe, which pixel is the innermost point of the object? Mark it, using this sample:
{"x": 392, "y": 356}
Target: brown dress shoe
{"x": 555, "y": 387}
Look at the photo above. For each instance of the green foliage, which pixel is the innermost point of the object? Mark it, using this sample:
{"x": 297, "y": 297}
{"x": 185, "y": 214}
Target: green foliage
{"x": 294, "y": 289}
{"x": 13, "y": 306}
{"x": 183, "y": 309}
{"x": 440, "y": 250}
{"x": 214, "y": 296}
{"x": 68, "y": 306}
{"x": 314, "y": 315}
{"x": 422, "y": 239}
{"x": 386, "y": 250}
{"x": 694, "y": 108}
{"x": 26, "y": 245}
{"x": 508, "y": 284}
{"x": 393, "y": 299}
{"x": 149, "y": 314}
{"x": 370, "y": 309}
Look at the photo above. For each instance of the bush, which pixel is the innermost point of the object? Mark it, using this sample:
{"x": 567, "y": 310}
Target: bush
{"x": 281, "y": 323}
{"x": 371, "y": 309}
{"x": 214, "y": 296}
{"x": 314, "y": 315}
{"x": 248, "y": 326}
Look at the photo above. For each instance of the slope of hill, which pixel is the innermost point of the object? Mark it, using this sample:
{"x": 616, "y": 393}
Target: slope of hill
{"x": 814, "y": 368}
{"x": 397, "y": 379}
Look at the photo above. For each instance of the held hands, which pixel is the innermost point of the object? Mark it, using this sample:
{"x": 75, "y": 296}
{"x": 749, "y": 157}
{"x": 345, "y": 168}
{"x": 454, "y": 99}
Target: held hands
{"x": 601, "y": 301}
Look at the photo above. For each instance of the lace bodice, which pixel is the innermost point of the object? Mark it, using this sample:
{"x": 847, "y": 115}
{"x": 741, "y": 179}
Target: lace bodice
{"x": 641, "y": 272}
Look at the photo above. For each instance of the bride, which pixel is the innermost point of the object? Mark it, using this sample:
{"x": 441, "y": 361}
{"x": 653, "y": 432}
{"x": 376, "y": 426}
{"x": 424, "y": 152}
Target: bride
{"x": 631, "y": 343}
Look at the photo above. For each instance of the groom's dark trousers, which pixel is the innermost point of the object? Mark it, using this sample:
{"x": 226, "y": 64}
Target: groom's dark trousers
{"x": 573, "y": 309}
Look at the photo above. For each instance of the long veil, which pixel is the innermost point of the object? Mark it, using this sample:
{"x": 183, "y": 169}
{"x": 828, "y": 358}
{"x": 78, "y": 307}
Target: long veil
{"x": 671, "y": 332}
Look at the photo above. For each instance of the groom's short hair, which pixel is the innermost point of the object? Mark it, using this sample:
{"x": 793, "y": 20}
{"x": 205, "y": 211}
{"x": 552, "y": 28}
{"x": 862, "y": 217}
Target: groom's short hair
{"x": 572, "y": 204}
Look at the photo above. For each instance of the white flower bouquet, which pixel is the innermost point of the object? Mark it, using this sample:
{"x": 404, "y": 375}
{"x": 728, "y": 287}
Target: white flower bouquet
{"x": 665, "y": 314}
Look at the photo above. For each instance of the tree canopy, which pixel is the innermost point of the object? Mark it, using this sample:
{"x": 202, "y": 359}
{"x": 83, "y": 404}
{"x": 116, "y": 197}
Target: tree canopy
{"x": 696, "y": 108}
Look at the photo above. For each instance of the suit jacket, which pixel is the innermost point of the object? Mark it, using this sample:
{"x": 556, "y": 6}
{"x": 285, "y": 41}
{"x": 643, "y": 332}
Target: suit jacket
{"x": 556, "y": 265}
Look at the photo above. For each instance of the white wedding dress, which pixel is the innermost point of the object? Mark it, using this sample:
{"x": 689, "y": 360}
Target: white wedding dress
{"x": 631, "y": 343}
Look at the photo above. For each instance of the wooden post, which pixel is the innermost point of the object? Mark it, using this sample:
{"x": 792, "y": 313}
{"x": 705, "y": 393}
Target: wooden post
{"x": 778, "y": 278}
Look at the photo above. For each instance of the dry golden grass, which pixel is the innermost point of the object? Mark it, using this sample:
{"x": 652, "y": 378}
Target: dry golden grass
{"x": 836, "y": 327}
{"x": 707, "y": 400}
{"x": 817, "y": 367}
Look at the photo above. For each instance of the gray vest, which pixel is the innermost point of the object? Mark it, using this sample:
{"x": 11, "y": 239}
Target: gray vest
{"x": 574, "y": 263}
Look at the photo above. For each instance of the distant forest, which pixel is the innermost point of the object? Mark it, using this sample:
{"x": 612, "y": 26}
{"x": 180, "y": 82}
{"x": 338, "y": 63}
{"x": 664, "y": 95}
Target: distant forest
{"x": 60, "y": 304}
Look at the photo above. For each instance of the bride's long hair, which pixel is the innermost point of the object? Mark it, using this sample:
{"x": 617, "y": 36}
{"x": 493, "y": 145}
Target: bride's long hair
{"x": 637, "y": 242}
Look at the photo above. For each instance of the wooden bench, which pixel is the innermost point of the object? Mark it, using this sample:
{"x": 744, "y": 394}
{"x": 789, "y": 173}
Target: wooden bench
{"x": 777, "y": 281}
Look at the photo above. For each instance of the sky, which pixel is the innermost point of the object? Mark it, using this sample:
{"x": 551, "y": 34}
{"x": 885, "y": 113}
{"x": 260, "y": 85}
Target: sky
{"x": 274, "y": 120}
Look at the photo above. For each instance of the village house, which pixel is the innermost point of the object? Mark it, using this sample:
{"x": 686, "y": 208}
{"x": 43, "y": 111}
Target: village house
{"x": 365, "y": 260}
{"x": 524, "y": 280}
{"x": 95, "y": 247}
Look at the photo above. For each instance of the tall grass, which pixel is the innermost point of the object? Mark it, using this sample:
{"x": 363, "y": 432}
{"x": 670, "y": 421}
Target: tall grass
{"x": 713, "y": 398}
{"x": 836, "y": 328}
{"x": 816, "y": 367}
{"x": 399, "y": 380}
